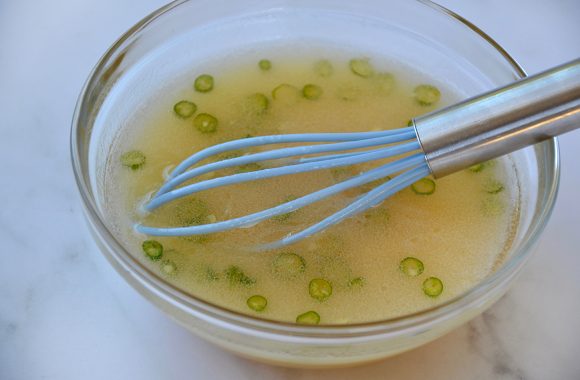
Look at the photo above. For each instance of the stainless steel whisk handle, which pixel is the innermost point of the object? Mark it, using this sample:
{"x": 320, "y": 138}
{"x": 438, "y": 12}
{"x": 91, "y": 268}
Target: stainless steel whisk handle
{"x": 501, "y": 121}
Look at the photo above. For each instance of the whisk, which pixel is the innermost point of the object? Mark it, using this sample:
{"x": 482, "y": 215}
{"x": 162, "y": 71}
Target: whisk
{"x": 440, "y": 143}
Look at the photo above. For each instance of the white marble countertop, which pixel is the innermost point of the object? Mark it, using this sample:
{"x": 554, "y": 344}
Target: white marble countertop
{"x": 64, "y": 312}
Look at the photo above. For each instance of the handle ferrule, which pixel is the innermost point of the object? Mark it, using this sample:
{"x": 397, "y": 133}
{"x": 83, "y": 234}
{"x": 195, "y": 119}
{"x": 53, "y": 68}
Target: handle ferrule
{"x": 501, "y": 121}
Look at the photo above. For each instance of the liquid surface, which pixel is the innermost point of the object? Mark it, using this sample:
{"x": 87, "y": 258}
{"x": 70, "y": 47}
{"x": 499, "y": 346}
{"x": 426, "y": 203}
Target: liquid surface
{"x": 458, "y": 232}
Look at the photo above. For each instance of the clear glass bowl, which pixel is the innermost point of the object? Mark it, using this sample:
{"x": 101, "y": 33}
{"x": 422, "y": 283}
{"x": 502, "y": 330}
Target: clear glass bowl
{"x": 419, "y": 33}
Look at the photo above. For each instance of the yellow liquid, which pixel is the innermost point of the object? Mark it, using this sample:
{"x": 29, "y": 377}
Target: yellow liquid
{"x": 459, "y": 232}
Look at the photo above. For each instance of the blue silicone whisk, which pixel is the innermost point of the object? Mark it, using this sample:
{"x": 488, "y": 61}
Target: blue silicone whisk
{"x": 440, "y": 143}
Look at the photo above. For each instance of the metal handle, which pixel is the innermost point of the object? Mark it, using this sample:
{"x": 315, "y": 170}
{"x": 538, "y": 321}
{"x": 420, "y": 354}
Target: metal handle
{"x": 501, "y": 121}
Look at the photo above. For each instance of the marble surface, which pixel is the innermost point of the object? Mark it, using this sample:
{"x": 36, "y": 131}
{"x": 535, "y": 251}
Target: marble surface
{"x": 65, "y": 314}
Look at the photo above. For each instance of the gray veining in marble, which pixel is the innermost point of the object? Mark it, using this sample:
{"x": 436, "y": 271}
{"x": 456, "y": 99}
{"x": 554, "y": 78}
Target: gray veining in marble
{"x": 65, "y": 314}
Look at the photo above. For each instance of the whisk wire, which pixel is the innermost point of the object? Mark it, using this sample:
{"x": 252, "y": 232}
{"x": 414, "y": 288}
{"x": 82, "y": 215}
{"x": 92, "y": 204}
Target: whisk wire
{"x": 327, "y": 157}
{"x": 278, "y": 154}
{"x": 411, "y": 161}
{"x": 406, "y": 134}
{"x": 373, "y": 197}
{"x": 373, "y": 155}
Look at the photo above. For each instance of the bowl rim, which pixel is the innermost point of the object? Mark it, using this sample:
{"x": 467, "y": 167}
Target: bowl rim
{"x": 204, "y": 309}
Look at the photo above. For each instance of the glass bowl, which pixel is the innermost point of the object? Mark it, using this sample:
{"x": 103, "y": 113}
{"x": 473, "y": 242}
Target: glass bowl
{"x": 420, "y": 33}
